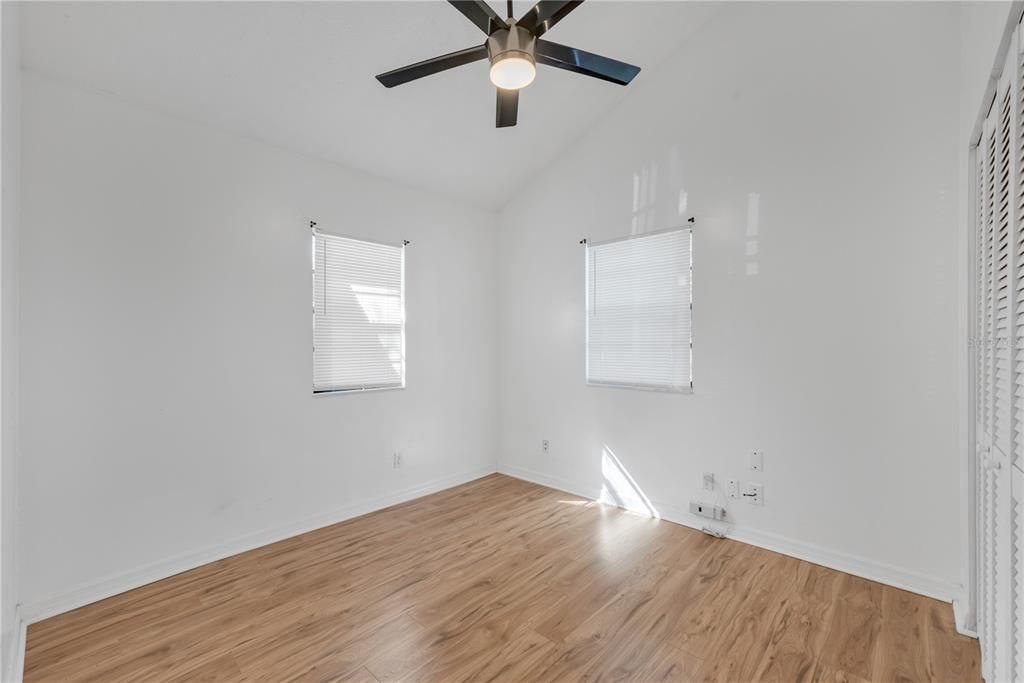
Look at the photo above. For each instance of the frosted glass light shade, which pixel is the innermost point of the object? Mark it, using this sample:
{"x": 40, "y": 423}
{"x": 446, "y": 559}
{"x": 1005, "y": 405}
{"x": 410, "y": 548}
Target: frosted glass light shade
{"x": 512, "y": 73}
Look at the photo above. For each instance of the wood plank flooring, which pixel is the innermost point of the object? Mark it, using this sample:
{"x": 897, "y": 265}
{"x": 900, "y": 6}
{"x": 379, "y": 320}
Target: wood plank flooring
{"x": 503, "y": 580}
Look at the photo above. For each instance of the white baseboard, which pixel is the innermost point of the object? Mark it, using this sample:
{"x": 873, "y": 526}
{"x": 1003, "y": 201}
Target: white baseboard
{"x": 92, "y": 592}
{"x": 14, "y": 661}
{"x": 965, "y": 621}
{"x": 851, "y": 564}
{"x": 125, "y": 581}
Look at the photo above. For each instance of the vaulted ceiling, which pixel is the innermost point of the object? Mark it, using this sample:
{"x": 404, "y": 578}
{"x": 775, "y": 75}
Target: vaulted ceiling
{"x": 301, "y": 75}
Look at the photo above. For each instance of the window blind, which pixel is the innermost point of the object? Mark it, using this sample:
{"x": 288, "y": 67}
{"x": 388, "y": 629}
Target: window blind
{"x": 638, "y": 312}
{"x": 358, "y": 314}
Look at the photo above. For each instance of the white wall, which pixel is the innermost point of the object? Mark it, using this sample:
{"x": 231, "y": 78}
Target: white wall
{"x": 172, "y": 418}
{"x": 166, "y": 371}
{"x": 816, "y": 144}
{"x": 10, "y": 200}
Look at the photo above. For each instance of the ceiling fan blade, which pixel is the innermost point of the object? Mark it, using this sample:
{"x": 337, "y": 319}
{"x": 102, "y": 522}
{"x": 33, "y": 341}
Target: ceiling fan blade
{"x": 432, "y": 66}
{"x": 586, "y": 63}
{"x": 508, "y": 108}
{"x": 481, "y": 14}
{"x": 546, "y": 14}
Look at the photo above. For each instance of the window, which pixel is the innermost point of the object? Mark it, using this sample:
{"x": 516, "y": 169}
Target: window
{"x": 638, "y": 312}
{"x": 358, "y": 314}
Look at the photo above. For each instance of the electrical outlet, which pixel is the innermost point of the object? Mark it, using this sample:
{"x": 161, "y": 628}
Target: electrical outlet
{"x": 757, "y": 461}
{"x": 545, "y": 446}
{"x": 733, "y": 488}
{"x": 709, "y": 481}
{"x": 754, "y": 493}
{"x": 397, "y": 460}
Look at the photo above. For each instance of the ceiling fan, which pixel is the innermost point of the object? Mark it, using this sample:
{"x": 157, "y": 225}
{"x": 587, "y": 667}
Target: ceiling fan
{"x": 514, "y": 48}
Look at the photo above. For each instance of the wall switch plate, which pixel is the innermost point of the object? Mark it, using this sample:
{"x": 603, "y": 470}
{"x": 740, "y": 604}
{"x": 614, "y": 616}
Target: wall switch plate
{"x": 709, "y": 481}
{"x": 706, "y": 510}
{"x": 545, "y": 446}
{"x": 733, "y": 488}
{"x": 754, "y": 494}
{"x": 396, "y": 461}
{"x": 757, "y": 461}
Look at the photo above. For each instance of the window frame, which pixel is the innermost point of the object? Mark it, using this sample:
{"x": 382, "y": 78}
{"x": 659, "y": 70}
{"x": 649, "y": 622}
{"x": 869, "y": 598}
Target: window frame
{"x": 586, "y": 323}
{"x": 401, "y": 246}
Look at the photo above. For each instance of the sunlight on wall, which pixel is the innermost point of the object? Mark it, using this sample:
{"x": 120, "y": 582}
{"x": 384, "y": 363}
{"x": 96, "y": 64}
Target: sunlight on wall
{"x": 620, "y": 489}
{"x": 644, "y": 199}
{"x": 753, "y": 228}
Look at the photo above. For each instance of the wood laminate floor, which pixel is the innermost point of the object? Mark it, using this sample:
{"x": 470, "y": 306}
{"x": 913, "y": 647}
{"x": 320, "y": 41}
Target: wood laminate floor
{"x": 503, "y": 580}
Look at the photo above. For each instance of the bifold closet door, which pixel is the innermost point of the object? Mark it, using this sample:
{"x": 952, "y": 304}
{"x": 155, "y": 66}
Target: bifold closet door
{"x": 999, "y": 373}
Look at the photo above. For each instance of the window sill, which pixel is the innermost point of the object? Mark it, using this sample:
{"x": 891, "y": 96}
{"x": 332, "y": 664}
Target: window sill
{"x": 640, "y": 387}
{"x": 368, "y": 390}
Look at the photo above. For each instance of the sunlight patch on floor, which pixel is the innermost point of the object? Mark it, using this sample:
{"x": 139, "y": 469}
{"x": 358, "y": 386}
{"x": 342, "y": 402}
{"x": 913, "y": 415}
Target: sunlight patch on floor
{"x": 619, "y": 488}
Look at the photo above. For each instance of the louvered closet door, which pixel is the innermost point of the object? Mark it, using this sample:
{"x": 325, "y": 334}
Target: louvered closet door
{"x": 1015, "y": 618}
{"x": 999, "y": 390}
{"x": 983, "y": 377}
{"x": 1005, "y": 274}
{"x": 992, "y": 411}
{"x": 1003, "y": 283}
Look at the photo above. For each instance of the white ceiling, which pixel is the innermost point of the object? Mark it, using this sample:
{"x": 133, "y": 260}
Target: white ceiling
{"x": 300, "y": 75}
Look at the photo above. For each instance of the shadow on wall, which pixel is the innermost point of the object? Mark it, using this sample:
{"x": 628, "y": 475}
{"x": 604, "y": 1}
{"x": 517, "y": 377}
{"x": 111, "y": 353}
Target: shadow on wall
{"x": 620, "y": 489}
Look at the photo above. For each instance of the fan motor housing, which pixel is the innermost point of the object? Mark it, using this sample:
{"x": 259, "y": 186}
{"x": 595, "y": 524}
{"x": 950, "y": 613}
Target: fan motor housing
{"x": 515, "y": 42}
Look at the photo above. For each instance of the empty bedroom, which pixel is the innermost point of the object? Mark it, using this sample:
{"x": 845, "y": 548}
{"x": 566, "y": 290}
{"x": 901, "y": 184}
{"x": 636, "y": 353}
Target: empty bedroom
{"x": 380, "y": 341}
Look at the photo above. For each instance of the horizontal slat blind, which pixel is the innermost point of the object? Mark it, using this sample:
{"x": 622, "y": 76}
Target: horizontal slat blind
{"x": 358, "y": 314}
{"x": 638, "y": 312}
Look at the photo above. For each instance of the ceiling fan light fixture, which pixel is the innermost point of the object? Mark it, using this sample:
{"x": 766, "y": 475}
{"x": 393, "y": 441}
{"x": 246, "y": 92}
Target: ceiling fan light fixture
{"x": 513, "y": 70}
{"x": 514, "y": 46}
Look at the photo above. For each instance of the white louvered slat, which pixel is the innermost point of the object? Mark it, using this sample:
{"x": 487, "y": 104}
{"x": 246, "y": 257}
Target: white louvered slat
{"x": 1003, "y": 279}
{"x": 987, "y": 574}
{"x": 981, "y": 330}
{"x": 1002, "y": 568}
{"x": 358, "y": 314}
{"x": 984, "y": 542}
{"x": 1017, "y": 252}
{"x": 992, "y": 171}
{"x": 1017, "y": 552}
